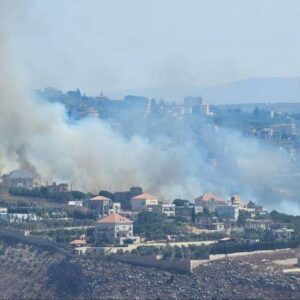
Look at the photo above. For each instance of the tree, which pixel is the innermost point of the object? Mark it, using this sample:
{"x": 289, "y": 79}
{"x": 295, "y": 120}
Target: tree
{"x": 181, "y": 202}
{"x": 78, "y": 195}
{"x": 243, "y": 215}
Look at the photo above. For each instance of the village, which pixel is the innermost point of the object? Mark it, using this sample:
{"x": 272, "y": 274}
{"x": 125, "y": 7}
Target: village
{"x": 134, "y": 225}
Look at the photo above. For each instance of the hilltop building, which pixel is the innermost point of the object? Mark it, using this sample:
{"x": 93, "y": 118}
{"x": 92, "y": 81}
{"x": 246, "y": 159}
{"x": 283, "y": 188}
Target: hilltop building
{"x": 209, "y": 201}
{"x": 163, "y": 208}
{"x": 100, "y": 205}
{"x": 125, "y": 197}
{"x": 186, "y": 212}
{"x": 114, "y": 229}
{"x": 58, "y": 188}
{"x": 141, "y": 202}
{"x": 18, "y": 178}
{"x": 227, "y": 212}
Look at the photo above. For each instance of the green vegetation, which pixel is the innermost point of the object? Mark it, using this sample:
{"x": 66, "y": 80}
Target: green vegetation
{"x": 203, "y": 252}
{"x": 243, "y": 215}
{"x": 43, "y": 192}
{"x": 290, "y": 220}
{"x": 168, "y": 252}
{"x": 181, "y": 202}
{"x": 154, "y": 226}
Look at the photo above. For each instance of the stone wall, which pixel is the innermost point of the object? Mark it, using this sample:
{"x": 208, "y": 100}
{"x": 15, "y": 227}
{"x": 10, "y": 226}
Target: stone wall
{"x": 179, "y": 265}
{"x": 20, "y": 235}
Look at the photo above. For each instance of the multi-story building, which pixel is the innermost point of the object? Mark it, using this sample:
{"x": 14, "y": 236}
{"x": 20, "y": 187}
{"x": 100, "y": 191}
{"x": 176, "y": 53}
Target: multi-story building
{"x": 163, "y": 208}
{"x": 253, "y": 225}
{"x": 18, "y": 178}
{"x": 227, "y": 212}
{"x": 186, "y": 212}
{"x": 282, "y": 233}
{"x": 209, "y": 223}
{"x": 100, "y": 205}
{"x": 141, "y": 202}
{"x": 209, "y": 201}
{"x": 58, "y": 188}
{"x": 113, "y": 229}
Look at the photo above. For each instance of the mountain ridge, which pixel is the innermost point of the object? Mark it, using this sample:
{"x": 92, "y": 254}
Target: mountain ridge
{"x": 251, "y": 90}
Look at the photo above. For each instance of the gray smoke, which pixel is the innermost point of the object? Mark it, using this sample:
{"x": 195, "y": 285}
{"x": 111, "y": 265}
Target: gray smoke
{"x": 35, "y": 135}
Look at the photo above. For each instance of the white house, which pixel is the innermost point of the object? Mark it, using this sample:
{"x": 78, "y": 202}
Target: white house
{"x": 227, "y": 212}
{"x": 141, "y": 202}
{"x": 114, "y": 229}
{"x": 163, "y": 208}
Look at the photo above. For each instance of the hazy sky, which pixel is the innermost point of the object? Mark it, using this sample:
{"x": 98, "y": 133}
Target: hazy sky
{"x": 116, "y": 45}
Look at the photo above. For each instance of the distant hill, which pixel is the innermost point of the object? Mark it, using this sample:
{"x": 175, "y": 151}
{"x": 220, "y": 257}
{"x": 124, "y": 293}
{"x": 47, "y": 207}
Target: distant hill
{"x": 254, "y": 90}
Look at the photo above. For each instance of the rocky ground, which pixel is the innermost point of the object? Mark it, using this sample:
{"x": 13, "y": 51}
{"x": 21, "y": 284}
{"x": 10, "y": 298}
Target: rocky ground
{"x": 237, "y": 278}
{"x": 28, "y": 272}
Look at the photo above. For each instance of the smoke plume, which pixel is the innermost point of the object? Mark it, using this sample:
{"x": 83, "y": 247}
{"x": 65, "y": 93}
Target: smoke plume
{"x": 175, "y": 160}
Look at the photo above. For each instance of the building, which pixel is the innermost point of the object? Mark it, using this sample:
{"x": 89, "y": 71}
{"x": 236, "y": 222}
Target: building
{"x": 282, "y": 234}
{"x": 227, "y": 212}
{"x": 100, "y": 205}
{"x": 209, "y": 223}
{"x": 193, "y": 104}
{"x": 254, "y": 225}
{"x": 58, "y": 188}
{"x": 283, "y": 131}
{"x": 209, "y": 201}
{"x": 186, "y": 212}
{"x": 75, "y": 203}
{"x": 236, "y": 200}
{"x": 113, "y": 229}
{"x": 125, "y": 197}
{"x": 163, "y": 208}
{"x": 115, "y": 208}
{"x": 18, "y": 178}
{"x": 141, "y": 202}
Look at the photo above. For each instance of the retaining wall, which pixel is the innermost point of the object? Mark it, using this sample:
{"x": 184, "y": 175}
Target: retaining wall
{"x": 20, "y": 235}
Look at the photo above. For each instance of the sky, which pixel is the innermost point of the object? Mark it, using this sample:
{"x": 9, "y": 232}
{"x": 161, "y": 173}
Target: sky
{"x": 108, "y": 46}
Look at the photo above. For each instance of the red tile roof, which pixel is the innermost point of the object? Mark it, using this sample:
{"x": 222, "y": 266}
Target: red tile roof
{"x": 144, "y": 196}
{"x": 210, "y": 197}
{"x": 78, "y": 242}
{"x": 113, "y": 219}
{"x": 99, "y": 198}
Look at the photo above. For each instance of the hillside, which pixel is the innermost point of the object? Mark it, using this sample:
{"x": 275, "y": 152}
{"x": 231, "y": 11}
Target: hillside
{"x": 253, "y": 90}
{"x": 28, "y": 272}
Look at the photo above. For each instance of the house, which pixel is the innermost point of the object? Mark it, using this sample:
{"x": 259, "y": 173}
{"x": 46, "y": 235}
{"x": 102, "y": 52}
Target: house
{"x": 209, "y": 201}
{"x": 141, "y": 202}
{"x": 58, "y": 188}
{"x": 227, "y": 212}
{"x": 236, "y": 200}
{"x": 75, "y": 203}
{"x": 282, "y": 234}
{"x": 125, "y": 197}
{"x": 114, "y": 229}
{"x": 186, "y": 212}
{"x": 78, "y": 243}
{"x": 18, "y": 178}
{"x": 115, "y": 208}
{"x": 257, "y": 208}
{"x": 209, "y": 223}
{"x": 100, "y": 205}
{"x": 254, "y": 225}
{"x": 163, "y": 208}
{"x": 241, "y": 205}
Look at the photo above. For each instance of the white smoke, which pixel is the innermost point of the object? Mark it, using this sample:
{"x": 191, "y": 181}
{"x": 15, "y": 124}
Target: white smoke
{"x": 36, "y": 135}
